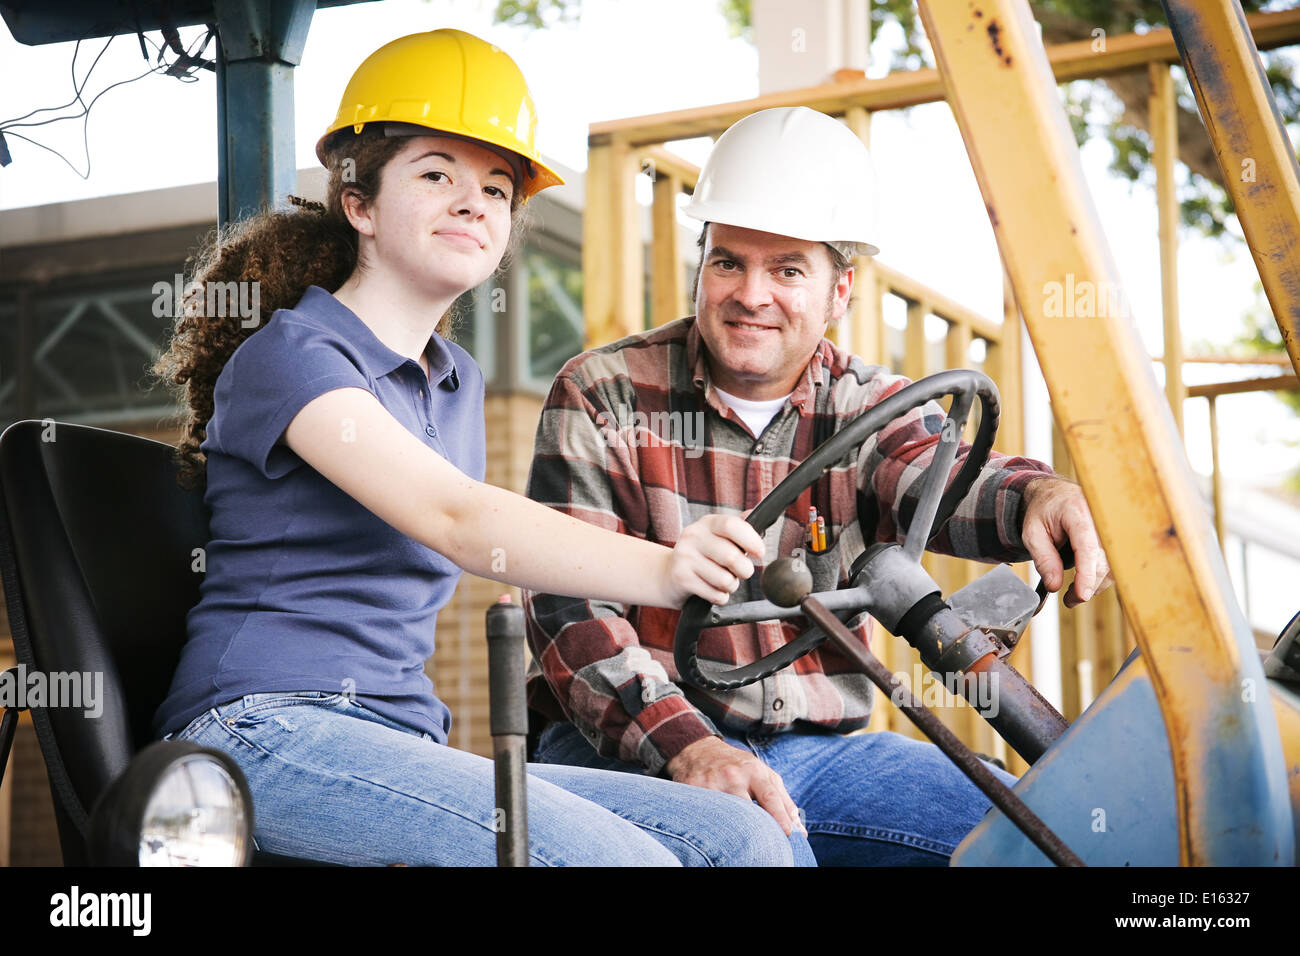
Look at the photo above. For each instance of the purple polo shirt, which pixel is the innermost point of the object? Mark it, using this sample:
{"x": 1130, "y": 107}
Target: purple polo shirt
{"x": 305, "y": 588}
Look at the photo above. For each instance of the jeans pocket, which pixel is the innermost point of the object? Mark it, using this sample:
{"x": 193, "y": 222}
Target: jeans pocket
{"x": 254, "y": 709}
{"x": 556, "y": 742}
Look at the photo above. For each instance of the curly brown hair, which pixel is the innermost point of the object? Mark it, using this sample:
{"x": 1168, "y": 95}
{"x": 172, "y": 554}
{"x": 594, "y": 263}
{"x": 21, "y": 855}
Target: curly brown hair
{"x": 282, "y": 252}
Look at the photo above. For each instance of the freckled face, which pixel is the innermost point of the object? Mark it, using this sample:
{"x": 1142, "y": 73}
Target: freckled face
{"x": 441, "y": 218}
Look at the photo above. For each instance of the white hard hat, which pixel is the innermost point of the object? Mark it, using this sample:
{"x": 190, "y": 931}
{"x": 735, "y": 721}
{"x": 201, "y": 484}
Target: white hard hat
{"x": 791, "y": 171}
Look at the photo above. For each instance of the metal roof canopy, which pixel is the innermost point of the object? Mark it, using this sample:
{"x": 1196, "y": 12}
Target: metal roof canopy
{"x": 259, "y": 42}
{"x": 60, "y": 21}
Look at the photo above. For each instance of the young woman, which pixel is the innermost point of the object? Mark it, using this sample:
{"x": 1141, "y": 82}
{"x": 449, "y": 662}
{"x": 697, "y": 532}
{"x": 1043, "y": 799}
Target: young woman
{"x": 342, "y": 445}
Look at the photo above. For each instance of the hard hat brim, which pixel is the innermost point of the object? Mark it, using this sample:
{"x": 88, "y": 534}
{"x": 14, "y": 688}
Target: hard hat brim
{"x": 535, "y": 174}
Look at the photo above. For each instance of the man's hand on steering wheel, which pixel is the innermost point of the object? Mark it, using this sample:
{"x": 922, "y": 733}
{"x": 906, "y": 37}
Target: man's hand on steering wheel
{"x": 1056, "y": 517}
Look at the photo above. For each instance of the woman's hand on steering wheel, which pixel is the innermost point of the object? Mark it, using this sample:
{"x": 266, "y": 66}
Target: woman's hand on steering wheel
{"x": 712, "y": 556}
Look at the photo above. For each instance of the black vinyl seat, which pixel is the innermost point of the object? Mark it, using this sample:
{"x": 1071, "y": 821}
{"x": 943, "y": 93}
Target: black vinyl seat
{"x": 98, "y": 551}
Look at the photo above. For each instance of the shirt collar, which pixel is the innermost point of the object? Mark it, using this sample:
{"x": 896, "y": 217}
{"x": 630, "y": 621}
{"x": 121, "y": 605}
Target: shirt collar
{"x": 381, "y": 359}
{"x": 805, "y": 390}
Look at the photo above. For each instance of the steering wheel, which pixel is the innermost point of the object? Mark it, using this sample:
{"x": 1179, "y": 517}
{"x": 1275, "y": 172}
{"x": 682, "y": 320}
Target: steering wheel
{"x": 932, "y": 512}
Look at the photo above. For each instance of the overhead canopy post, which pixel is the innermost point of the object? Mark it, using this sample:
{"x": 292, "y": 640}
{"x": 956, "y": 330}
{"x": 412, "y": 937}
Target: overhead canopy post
{"x": 260, "y": 42}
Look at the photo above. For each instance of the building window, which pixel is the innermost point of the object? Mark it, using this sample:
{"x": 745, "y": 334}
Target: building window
{"x": 476, "y": 328}
{"x": 552, "y": 315}
{"x": 87, "y": 355}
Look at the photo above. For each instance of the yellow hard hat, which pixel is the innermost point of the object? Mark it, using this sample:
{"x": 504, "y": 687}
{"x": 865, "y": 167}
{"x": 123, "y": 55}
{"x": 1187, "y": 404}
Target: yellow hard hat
{"x": 448, "y": 81}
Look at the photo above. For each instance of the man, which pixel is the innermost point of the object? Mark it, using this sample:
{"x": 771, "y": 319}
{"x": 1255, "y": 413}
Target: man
{"x": 740, "y": 394}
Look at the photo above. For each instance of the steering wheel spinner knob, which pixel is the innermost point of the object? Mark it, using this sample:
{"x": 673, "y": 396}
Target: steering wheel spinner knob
{"x": 787, "y": 581}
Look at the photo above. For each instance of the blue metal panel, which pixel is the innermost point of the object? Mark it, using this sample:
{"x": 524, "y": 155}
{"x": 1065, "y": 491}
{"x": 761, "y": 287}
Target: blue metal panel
{"x": 1244, "y": 768}
{"x": 1107, "y": 788}
{"x": 1286, "y": 704}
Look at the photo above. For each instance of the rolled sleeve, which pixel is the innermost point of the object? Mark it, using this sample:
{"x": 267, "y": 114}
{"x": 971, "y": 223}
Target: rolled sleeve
{"x": 987, "y": 523}
{"x": 273, "y": 374}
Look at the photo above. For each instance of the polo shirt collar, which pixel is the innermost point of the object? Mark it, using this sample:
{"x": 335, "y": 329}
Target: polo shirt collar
{"x": 381, "y": 359}
{"x": 801, "y": 398}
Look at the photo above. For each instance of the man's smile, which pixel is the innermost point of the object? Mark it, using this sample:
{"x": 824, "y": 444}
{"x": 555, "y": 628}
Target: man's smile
{"x": 751, "y": 326}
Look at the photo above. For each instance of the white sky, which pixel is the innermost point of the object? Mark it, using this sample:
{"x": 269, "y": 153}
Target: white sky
{"x": 625, "y": 58}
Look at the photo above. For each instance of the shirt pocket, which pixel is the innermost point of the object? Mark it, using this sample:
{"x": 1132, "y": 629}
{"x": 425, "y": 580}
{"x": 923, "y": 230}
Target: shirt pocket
{"x": 825, "y": 565}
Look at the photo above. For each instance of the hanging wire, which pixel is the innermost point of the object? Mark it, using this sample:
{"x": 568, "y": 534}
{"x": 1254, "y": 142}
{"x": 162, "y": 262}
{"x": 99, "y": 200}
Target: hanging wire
{"x": 182, "y": 69}
{"x": 75, "y": 88}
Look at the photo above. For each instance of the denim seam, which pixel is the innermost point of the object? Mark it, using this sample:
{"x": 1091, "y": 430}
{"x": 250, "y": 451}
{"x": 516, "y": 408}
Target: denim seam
{"x": 887, "y": 836}
{"x": 533, "y": 854}
{"x": 681, "y": 838}
{"x": 196, "y": 726}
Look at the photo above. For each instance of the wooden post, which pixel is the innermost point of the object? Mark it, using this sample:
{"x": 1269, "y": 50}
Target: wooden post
{"x": 1164, "y": 133}
{"x": 1004, "y": 367}
{"x": 862, "y": 330}
{"x": 668, "y": 293}
{"x": 1109, "y": 619}
{"x": 862, "y": 326}
{"x": 916, "y": 363}
{"x": 958, "y": 572}
{"x": 1070, "y": 695}
{"x": 1085, "y": 636}
{"x": 956, "y": 345}
{"x": 612, "y": 257}
{"x": 1216, "y": 479}
{"x": 916, "y": 366}
{"x": 598, "y": 260}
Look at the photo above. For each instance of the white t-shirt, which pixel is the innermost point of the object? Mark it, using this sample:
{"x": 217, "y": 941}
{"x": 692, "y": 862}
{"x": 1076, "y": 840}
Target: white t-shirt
{"x": 755, "y": 415}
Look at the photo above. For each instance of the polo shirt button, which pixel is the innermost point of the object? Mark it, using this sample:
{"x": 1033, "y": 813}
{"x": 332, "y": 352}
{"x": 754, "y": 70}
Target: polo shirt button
{"x": 430, "y": 430}
{"x": 758, "y": 449}
{"x": 778, "y": 704}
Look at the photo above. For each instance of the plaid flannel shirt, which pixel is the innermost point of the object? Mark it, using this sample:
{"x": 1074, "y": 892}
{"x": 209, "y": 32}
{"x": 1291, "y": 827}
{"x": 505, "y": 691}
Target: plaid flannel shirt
{"x": 634, "y": 438}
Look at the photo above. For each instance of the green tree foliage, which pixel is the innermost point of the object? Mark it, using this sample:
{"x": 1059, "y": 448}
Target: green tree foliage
{"x": 537, "y": 13}
{"x": 1115, "y": 109}
{"x": 1261, "y": 336}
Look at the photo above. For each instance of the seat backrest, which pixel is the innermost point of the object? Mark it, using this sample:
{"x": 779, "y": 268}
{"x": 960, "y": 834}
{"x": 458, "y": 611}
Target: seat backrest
{"x": 100, "y": 560}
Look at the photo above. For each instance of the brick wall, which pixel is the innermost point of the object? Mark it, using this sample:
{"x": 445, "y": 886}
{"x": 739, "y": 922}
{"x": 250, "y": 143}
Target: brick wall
{"x": 459, "y": 667}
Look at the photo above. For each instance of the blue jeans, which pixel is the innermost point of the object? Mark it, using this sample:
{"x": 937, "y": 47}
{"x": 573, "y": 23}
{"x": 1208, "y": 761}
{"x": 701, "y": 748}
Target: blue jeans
{"x": 333, "y": 781}
{"x": 875, "y": 799}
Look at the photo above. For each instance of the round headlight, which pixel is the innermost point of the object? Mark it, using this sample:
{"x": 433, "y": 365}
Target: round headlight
{"x": 177, "y": 804}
